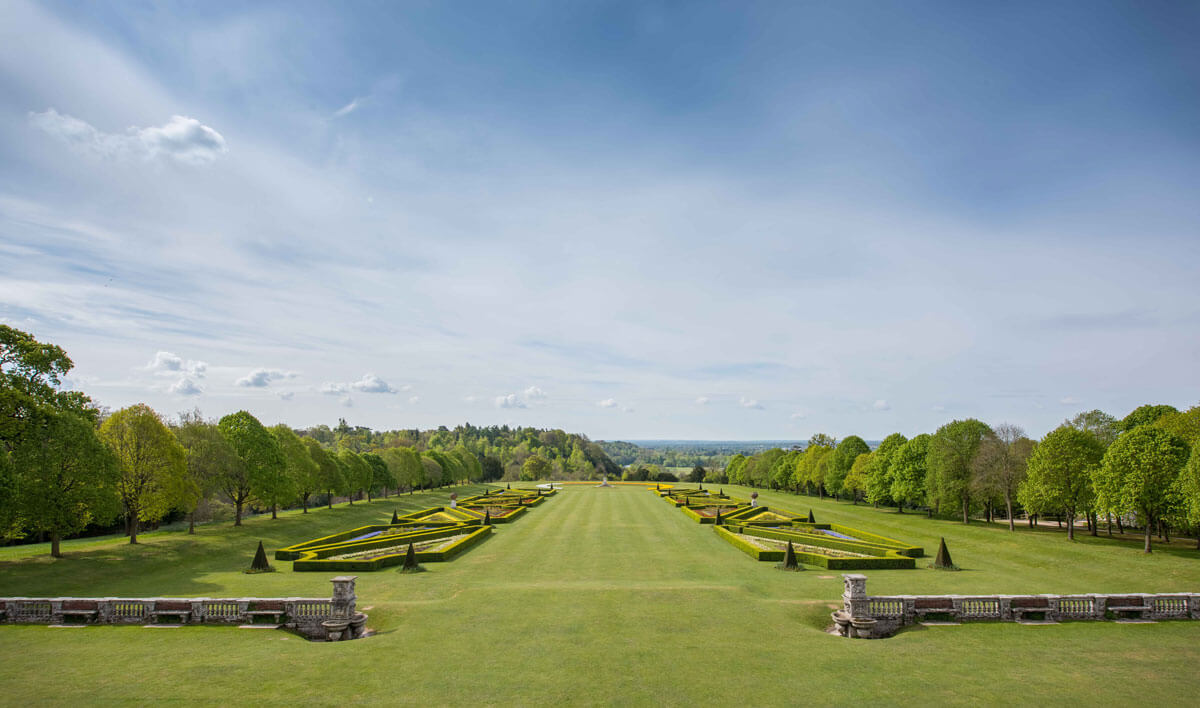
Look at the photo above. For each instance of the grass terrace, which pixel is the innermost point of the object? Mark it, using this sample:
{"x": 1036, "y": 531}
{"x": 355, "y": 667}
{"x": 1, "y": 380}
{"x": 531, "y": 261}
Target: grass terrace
{"x": 592, "y": 600}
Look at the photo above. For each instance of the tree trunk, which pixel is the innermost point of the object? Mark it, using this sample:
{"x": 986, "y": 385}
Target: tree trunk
{"x": 192, "y": 522}
{"x": 237, "y": 517}
{"x": 55, "y": 551}
{"x": 330, "y": 499}
{"x": 1146, "y": 549}
{"x": 1120, "y": 526}
{"x": 900, "y": 507}
{"x": 274, "y": 515}
{"x": 966, "y": 505}
{"x": 133, "y": 525}
{"x": 304, "y": 503}
{"x": 1008, "y": 510}
{"x": 1095, "y": 523}
{"x": 1071, "y": 527}
{"x": 1108, "y": 518}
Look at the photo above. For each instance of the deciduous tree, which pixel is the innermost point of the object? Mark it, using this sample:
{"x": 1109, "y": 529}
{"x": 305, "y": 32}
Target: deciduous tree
{"x": 1001, "y": 464}
{"x": 1141, "y": 473}
{"x": 151, "y": 463}
{"x": 951, "y": 453}
{"x": 263, "y": 472}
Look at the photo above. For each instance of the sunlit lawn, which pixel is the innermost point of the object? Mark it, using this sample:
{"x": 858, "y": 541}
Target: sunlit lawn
{"x": 601, "y": 596}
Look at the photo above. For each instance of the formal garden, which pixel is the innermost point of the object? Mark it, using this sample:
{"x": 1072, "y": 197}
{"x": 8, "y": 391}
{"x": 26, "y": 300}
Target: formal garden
{"x": 592, "y": 597}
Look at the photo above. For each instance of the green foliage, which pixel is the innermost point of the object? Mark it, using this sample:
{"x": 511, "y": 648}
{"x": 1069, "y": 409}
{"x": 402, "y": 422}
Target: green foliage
{"x": 1185, "y": 425}
{"x": 208, "y": 454}
{"x": 263, "y": 471}
{"x": 358, "y": 473}
{"x": 381, "y": 476}
{"x": 951, "y": 457}
{"x": 30, "y": 376}
{"x": 329, "y": 473}
{"x": 1141, "y": 473}
{"x": 63, "y": 476}
{"x": 879, "y": 478}
{"x": 1060, "y": 474}
{"x": 840, "y": 462}
{"x": 1100, "y": 424}
{"x": 301, "y": 469}
{"x": 1145, "y": 415}
{"x": 152, "y": 464}
{"x": 855, "y": 483}
{"x": 908, "y": 471}
{"x": 535, "y": 468}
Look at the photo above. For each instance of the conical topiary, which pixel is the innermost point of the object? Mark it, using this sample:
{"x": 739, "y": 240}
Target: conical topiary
{"x": 508, "y": 486}
{"x": 811, "y": 520}
{"x": 942, "y": 560}
{"x": 718, "y": 519}
{"x": 789, "y": 559}
{"x": 395, "y": 518}
{"x": 487, "y": 517}
{"x": 410, "y": 561}
{"x": 260, "y": 564}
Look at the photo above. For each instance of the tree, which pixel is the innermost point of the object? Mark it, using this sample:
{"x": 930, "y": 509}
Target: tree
{"x": 63, "y": 476}
{"x": 431, "y": 471}
{"x": 535, "y": 467}
{"x": 358, "y": 472}
{"x": 405, "y": 465}
{"x": 381, "y": 477}
{"x": 1141, "y": 473}
{"x": 1190, "y": 487}
{"x": 810, "y": 467}
{"x": 263, "y": 472}
{"x": 329, "y": 473}
{"x": 1145, "y": 415}
{"x": 840, "y": 462}
{"x": 151, "y": 463}
{"x": 856, "y": 480}
{"x": 696, "y": 475}
{"x": 30, "y": 377}
{"x": 879, "y": 478}
{"x": 1184, "y": 424}
{"x": 1000, "y": 466}
{"x": 302, "y": 471}
{"x": 1100, "y": 424}
{"x": 908, "y": 472}
{"x": 951, "y": 453}
{"x": 1060, "y": 474}
{"x": 209, "y": 456}
{"x": 493, "y": 469}
{"x": 733, "y": 468}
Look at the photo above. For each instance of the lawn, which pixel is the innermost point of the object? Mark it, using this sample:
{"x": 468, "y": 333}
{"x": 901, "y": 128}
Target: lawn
{"x": 601, "y": 596}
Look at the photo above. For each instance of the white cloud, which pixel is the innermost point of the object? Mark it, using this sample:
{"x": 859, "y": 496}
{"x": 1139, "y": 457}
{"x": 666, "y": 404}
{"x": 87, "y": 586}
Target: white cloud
{"x": 346, "y": 401}
{"x": 330, "y": 388}
{"x": 181, "y": 139}
{"x": 509, "y": 401}
{"x": 414, "y": 400}
{"x": 702, "y": 401}
{"x": 185, "y": 387}
{"x": 938, "y": 408}
{"x": 168, "y": 364}
{"x": 287, "y": 395}
{"x": 533, "y": 393}
{"x": 260, "y": 378}
{"x": 881, "y": 405}
{"x": 607, "y": 403}
{"x": 798, "y": 415}
{"x": 1069, "y": 401}
{"x": 750, "y": 403}
{"x": 370, "y": 383}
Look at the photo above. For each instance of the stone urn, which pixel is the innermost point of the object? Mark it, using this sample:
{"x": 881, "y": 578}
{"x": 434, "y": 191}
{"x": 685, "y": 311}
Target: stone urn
{"x": 335, "y": 628}
{"x": 357, "y": 625}
{"x": 862, "y": 627}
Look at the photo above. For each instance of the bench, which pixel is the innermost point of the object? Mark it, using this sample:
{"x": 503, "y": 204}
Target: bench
{"x": 87, "y": 610}
{"x": 1126, "y": 606}
{"x": 180, "y": 610}
{"x": 274, "y": 610}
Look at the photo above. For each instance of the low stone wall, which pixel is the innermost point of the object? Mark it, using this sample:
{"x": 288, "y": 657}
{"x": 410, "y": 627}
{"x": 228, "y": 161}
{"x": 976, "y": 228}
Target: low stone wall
{"x": 322, "y": 619}
{"x": 875, "y": 616}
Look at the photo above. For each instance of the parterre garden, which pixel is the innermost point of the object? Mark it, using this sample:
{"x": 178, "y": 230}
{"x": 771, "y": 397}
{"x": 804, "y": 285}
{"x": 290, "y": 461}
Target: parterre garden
{"x": 600, "y": 596}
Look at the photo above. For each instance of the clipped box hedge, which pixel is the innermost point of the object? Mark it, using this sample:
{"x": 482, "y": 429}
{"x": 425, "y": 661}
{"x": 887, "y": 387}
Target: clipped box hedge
{"x": 311, "y": 561}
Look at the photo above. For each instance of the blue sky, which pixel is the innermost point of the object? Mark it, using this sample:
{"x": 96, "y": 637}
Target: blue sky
{"x": 638, "y": 220}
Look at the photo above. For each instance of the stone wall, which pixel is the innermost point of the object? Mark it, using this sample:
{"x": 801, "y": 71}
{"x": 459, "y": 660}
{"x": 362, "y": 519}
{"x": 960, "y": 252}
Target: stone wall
{"x": 875, "y": 616}
{"x": 323, "y": 619}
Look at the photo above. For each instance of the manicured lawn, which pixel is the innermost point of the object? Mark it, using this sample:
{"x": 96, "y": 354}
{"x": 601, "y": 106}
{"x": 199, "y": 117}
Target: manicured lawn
{"x": 602, "y": 596}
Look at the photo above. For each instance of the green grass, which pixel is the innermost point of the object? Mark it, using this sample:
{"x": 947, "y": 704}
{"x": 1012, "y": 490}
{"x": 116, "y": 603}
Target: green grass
{"x": 602, "y": 596}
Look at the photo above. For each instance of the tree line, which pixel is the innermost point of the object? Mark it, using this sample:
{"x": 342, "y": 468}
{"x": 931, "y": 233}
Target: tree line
{"x": 66, "y": 465}
{"x": 1142, "y": 471}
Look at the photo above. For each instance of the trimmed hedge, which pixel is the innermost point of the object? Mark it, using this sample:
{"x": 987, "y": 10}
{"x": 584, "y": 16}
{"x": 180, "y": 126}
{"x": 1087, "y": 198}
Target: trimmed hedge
{"x": 307, "y": 563}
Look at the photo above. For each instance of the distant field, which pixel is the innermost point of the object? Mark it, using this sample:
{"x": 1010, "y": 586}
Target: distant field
{"x": 602, "y": 596}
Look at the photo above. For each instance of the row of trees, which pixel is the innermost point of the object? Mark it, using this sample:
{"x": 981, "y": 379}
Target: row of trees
{"x": 65, "y": 464}
{"x": 1143, "y": 469}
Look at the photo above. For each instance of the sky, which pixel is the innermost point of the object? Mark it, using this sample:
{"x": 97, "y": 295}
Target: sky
{"x": 630, "y": 220}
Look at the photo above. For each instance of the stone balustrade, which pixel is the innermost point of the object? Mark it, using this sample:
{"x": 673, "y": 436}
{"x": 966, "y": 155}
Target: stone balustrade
{"x": 322, "y": 619}
{"x": 874, "y": 616}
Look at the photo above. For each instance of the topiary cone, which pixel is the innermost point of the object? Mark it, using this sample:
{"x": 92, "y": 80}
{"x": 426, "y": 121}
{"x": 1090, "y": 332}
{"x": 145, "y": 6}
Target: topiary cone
{"x": 260, "y": 559}
{"x": 811, "y": 520}
{"x": 718, "y": 519}
{"x": 789, "y": 559}
{"x": 943, "y": 557}
{"x": 410, "y": 559}
{"x": 395, "y": 519}
{"x": 487, "y": 517}
{"x": 508, "y": 486}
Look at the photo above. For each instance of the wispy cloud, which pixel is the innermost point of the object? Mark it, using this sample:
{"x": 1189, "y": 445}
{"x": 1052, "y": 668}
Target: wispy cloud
{"x": 260, "y": 378}
{"x": 168, "y": 364}
{"x": 185, "y": 387}
{"x": 881, "y": 405}
{"x": 607, "y": 403}
{"x": 750, "y": 403}
{"x": 348, "y": 108}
